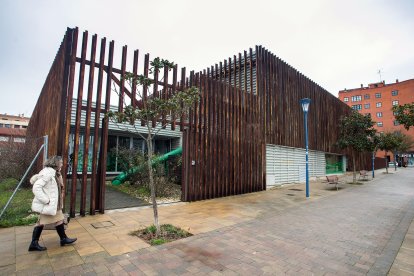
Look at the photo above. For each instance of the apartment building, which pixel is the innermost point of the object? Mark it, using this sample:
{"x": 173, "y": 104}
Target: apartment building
{"x": 13, "y": 127}
{"x": 378, "y": 99}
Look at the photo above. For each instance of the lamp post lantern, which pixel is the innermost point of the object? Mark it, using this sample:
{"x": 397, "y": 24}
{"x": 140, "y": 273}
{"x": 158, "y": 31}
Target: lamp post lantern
{"x": 305, "y": 107}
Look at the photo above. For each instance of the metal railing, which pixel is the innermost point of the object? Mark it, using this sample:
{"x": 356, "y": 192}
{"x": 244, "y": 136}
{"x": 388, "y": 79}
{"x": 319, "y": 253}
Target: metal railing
{"x": 42, "y": 147}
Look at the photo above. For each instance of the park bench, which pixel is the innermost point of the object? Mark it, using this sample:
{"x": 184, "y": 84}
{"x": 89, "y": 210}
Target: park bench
{"x": 333, "y": 179}
{"x": 363, "y": 175}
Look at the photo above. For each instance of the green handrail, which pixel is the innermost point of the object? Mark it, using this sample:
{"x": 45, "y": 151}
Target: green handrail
{"x": 123, "y": 176}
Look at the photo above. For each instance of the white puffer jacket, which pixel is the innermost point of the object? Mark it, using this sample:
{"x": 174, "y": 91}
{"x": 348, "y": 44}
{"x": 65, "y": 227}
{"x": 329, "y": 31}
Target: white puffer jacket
{"x": 46, "y": 192}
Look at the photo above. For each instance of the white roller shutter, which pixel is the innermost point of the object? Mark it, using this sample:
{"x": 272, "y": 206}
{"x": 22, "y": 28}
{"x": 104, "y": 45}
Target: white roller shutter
{"x": 287, "y": 165}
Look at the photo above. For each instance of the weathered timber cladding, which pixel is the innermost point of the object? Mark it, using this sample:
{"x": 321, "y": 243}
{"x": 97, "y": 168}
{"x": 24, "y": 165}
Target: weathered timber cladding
{"x": 216, "y": 149}
{"x": 247, "y": 101}
{"x": 73, "y": 76}
{"x": 50, "y": 108}
{"x": 254, "y": 101}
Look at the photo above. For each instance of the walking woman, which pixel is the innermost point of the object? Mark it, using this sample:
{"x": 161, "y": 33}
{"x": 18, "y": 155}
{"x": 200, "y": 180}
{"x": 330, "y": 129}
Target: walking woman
{"x": 48, "y": 193}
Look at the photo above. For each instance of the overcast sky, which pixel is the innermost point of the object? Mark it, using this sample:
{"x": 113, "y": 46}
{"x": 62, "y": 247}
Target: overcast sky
{"x": 337, "y": 44}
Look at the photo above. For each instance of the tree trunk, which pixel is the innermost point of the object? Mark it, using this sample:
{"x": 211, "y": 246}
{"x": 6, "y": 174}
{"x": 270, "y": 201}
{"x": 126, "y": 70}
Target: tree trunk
{"x": 395, "y": 161}
{"x": 386, "y": 162}
{"x": 353, "y": 161}
{"x": 152, "y": 185}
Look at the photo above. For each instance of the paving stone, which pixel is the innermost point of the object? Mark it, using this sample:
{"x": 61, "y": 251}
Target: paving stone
{"x": 8, "y": 269}
{"x": 357, "y": 230}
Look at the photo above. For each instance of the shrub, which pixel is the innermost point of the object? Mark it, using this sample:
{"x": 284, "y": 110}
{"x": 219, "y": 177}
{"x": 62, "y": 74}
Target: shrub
{"x": 15, "y": 158}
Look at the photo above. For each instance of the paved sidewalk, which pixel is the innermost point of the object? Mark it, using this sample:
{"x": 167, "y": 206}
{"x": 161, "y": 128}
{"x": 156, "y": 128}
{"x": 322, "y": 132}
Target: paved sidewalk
{"x": 357, "y": 230}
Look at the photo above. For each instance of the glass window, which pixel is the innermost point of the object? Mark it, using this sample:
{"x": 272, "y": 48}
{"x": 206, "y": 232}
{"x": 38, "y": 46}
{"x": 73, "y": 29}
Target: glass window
{"x": 379, "y": 114}
{"x": 394, "y": 92}
{"x": 112, "y": 152}
{"x": 396, "y": 123}
{"x": 24, "y": 126}
{"x": 379, "y": 124}
{"x": 346, "y": 99}
{"x": 124, "y": 142}
{"x": 379, "y": 104}
{"x": 16, "y": 126}
{"x": 1, "y": 125}
{"x": 4, "y": 138}
{"x": 7, "y": 125}
{"x": 367, "y": 106}
{"x": 377, "y": 95}
{"x": 366, "y": 96}
{"x": 357, "y": 106}
{"x": 357, "y": 98}
{"x": 394, "y": 103}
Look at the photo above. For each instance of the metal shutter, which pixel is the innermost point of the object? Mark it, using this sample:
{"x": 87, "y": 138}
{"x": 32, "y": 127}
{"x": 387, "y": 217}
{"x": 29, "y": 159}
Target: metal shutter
{"x": 287, "y": 165}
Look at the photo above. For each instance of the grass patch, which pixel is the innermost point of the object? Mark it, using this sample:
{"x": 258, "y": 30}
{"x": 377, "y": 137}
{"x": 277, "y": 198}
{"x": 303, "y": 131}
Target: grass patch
{"x": 132, "y": 190}
{"x": 169, "y": 233}
{"x": 19, "y": 211}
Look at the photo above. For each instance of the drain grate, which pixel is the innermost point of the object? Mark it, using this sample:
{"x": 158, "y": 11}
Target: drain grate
{"x": 102, "y": 224}
{"x": 290, "y": 194}
{"x": 295, "y": 189}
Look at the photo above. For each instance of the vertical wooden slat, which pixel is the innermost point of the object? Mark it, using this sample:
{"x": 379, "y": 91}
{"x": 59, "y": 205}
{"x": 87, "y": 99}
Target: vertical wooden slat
{"x": 214, "y": 130}
{"x": 236, "y": 135}
{"x": 75, "y": 152}
{"x": 245, "y": 141}
{"x": 145, "y": 86}
{"x": 88, "y": 126}
{"x": 62, "y": 147}
{"x": 94, "y": 174}
{"x": 134, "y": 83}
{"x": 225, "y": 131}
{"x": 71, "y": 77}
{"x": 104, "y": 138}
{"x": 230, "y": 127}
{"x": 185, "y": 165}
{"x": 173, "y": 91}
{"x": 164, "y": 94}
{"x": 257, "y": 119}
{"x": 253, "y": 121}
{"x": 240, "y": 127}
{"x": 182, "y": 82}
{"x": 220, "y": 135}
{"x": 199, "y": 115}
{"x": 203, "y": 134}
{"x": 208, "y": 136}
{"x": 121, "y": 102}
{"x": 155, "y": 90}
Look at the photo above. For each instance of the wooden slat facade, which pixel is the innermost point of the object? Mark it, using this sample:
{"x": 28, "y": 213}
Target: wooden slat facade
{"x": 231, "y": 157}
{"x": 247, "y": 101}
{"x": 49, "y": 113}
{"x": 68, "y": 73}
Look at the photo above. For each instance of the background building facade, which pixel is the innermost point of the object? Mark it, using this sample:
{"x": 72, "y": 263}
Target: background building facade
{"x": 13, "y": 128}
{"x": 377, "y": 99}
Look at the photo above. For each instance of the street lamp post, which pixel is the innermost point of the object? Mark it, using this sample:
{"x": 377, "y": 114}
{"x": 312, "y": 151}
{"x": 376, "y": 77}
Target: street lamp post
{"x": 305, "y": 107}
{"x": 373, "y": 164}
{"x": 373, "y": 140}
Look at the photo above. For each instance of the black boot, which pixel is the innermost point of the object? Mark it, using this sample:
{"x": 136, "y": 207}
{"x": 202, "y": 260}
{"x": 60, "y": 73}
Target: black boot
{"x": 34, "y": 245}
{"x": 60, "y": 229}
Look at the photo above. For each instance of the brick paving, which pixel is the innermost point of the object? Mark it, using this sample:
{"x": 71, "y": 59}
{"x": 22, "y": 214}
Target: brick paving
{"x": 358, "y": 230}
